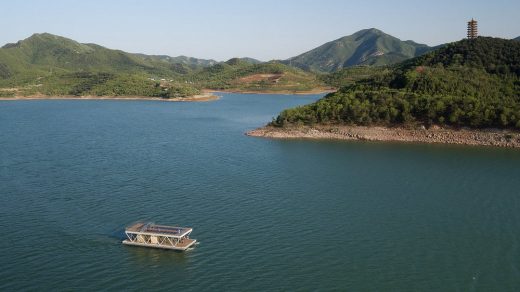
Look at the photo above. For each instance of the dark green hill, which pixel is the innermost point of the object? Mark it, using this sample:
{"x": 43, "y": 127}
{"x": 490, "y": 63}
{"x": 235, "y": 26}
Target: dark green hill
{"x": 495, "y": 55}
{"x": 470, "y": 83}
{"x": 365, "y": 47}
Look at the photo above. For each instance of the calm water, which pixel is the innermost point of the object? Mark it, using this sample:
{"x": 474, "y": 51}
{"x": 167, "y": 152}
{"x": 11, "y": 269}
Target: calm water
{"x": 269, "y": 215}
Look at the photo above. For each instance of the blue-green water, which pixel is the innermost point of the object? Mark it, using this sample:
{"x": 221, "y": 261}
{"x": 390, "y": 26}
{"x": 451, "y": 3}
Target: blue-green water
{"x": 269, "y": 215}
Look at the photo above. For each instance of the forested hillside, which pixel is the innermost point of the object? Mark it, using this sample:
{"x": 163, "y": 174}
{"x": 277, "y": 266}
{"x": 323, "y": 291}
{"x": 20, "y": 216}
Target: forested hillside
{"x": 471, "y": 83}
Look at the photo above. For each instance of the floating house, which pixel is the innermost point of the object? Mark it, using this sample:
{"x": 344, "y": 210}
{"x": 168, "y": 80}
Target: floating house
{"x": 159, "y": 236}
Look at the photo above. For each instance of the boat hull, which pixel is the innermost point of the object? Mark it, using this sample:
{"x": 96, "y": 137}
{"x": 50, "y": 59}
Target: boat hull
{"x": 161, "y": 246}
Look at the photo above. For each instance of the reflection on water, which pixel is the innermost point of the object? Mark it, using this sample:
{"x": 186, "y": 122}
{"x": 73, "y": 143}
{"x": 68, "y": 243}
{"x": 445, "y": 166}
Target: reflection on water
{"x": 158, "y": 257}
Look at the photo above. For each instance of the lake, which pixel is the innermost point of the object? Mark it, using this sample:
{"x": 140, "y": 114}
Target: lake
{"x": 269, "y": 214}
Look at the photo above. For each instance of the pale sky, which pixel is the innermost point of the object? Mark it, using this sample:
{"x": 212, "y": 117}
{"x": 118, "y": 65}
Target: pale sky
{"x": 268, "y": 29}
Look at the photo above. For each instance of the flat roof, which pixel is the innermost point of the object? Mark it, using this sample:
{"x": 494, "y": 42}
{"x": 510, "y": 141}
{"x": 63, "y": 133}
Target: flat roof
{"x": 150, "y": 228}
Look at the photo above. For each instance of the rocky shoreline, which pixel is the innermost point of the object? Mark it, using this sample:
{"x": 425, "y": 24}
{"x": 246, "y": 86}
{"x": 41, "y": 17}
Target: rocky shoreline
{"x": 281, "y": 92}
{"x": 488, "y": 137}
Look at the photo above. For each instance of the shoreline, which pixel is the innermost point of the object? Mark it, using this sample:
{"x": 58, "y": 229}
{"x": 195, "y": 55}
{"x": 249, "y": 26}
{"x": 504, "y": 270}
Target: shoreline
{"x": 203, "y": 97}
{"x": 206, "y": 95}
{"x": 434, "y": 135}
{"x": 281, "y": 92}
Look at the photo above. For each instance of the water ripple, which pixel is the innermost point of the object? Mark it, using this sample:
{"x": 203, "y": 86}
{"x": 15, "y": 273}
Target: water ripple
{"x": 269, "y": 215}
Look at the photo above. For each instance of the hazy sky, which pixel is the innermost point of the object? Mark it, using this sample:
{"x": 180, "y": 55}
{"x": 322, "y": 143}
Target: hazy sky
{"x": 267, "y": 29}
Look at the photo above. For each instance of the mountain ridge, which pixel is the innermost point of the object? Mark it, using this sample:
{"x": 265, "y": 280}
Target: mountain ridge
{"x": 45, "y": 64}
{"x": 365, "y": 47}
{"x": 33, "y": 47}
{"x": 32, "y": 50}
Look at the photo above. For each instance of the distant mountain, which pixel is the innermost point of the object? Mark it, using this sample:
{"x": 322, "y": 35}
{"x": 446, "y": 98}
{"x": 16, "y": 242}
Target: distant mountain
{"x": 517, "y": 39}
{"x": 365, "y": 47}
{"x": 251, "y": 60}
{"x": 237, "y": 61}
{"x": 188, "y": 61}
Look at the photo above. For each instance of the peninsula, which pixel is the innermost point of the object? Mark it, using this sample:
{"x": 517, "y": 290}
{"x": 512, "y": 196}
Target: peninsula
{"x": 467, "y": 92}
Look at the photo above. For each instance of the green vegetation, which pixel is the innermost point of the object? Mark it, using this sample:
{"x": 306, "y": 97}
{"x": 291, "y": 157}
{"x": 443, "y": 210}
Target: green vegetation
{"x": 365, "y": 47}
{"x": 45, "y": 64}
{"x": 187, "y": 62}
{"x": 108, "y": 84}
{"x": 351, "y": 75}
{"x": 471, "y": 83}
{"x": 238, "y": 74}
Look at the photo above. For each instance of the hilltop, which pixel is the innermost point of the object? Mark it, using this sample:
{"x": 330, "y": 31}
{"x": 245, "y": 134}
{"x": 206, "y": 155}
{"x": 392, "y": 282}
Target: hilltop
{"x": 472, "y": 84}
{"x": 365, "y": 47}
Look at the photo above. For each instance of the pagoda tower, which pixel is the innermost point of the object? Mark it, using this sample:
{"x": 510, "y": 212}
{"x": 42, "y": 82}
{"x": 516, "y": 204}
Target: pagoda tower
{"x": 472, "y": 29}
